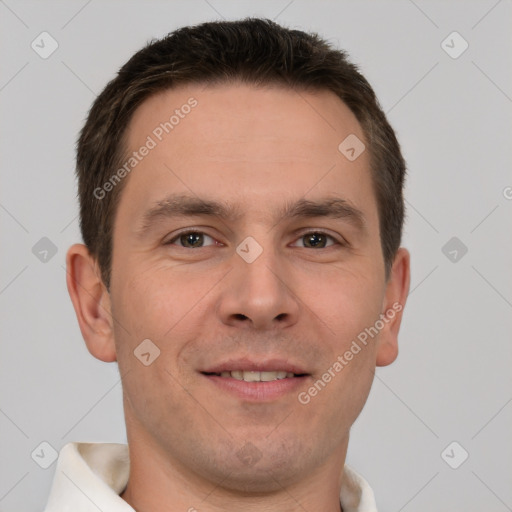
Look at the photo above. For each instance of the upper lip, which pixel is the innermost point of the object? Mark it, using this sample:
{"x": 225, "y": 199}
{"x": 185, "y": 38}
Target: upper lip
{"x": 251, "y": 365}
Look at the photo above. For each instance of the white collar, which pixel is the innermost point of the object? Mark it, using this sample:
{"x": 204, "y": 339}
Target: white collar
{"x": 91, "y": 476}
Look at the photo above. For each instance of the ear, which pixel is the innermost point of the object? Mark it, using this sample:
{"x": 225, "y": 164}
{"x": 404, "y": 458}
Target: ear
{"x": 397, "y": 289}
{"x": 91, "y": 301}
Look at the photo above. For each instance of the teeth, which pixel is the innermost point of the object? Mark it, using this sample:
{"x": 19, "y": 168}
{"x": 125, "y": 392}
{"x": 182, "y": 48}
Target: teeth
{"x": 249, "y": 376}
{"x": 252, "y": 376}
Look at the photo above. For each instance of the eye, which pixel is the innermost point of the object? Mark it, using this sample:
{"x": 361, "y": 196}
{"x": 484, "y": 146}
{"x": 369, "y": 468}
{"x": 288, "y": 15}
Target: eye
{"x": 197, "y": 239}
{"x": 191, "y": 240}
{"x": 317, "y": 240}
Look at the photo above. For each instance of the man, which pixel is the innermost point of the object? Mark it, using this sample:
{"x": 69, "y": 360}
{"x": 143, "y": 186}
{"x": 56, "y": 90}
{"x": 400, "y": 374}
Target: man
{"x": 241, "y": 208}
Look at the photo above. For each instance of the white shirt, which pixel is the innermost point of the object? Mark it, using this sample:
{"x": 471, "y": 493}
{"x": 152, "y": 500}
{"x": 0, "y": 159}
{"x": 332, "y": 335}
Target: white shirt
{"x": 90, "y": 477}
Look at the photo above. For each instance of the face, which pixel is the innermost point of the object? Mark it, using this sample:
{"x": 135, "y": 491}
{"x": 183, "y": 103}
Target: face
{"x": 246, "y": 246}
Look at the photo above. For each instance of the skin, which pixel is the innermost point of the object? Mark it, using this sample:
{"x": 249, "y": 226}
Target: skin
{"x": 258, "y": 148}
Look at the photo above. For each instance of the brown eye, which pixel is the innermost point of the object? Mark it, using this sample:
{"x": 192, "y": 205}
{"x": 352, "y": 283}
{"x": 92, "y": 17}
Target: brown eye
{"x": 317, "y": 240}
{"x": 191, "y": 240}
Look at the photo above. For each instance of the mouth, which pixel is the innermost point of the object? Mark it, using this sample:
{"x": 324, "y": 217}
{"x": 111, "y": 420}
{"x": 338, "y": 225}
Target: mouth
{"x": 256, "y": 376}
{"x": 257, "y": 382}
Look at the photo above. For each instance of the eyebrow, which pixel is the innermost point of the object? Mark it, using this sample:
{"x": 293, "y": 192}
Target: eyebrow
{"x": 176, "y": 205}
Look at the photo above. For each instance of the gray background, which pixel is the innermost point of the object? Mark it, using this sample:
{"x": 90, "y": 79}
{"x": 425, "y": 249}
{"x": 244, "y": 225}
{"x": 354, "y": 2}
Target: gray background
{"x": 452, "y": 380}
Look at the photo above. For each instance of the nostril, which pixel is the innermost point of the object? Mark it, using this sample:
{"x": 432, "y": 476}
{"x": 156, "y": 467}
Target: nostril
{"x": 239, "y": 316}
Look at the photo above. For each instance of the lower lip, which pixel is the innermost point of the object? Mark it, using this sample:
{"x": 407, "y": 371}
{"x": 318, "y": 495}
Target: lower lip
{"x": 258, "y": 391}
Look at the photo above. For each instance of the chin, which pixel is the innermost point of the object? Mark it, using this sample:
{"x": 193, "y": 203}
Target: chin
{"x": 263, "y": 467}
{"x": 262, "y": 478}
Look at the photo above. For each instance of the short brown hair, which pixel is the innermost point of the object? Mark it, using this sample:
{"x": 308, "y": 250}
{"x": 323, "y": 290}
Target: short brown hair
{"x": 252, "y": 51}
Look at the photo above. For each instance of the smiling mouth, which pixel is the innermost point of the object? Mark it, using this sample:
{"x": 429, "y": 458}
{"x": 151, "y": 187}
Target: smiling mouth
{"x": 253, "y": 376}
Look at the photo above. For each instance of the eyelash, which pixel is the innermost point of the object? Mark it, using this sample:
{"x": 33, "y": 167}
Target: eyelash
{"x": 318, "y": 232}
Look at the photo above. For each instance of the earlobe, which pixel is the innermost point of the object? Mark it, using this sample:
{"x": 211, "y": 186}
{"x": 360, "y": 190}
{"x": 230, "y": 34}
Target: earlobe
{"x": 397, "y": 289}
{"x": 91, "y": 301}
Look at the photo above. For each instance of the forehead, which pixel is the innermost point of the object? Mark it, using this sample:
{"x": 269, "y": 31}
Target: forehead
{"x": 244, "y": 113}
{"x": 254, "y": 145}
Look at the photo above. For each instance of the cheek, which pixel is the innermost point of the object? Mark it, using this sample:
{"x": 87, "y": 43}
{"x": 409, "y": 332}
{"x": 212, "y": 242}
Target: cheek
{"x": 346, "y": 302}
{"x": 159, "y": 302}
{"x": 350, "y": 306}
{"x": 156, "y": 304}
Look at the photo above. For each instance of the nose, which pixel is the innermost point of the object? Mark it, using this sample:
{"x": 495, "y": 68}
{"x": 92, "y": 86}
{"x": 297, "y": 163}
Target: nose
{"x": 258, "y": 295}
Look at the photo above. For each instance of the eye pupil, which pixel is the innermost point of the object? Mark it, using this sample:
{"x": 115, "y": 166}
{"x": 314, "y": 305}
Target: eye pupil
{"x": 315, "y": 239}
{"x": 192, "y": 239}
